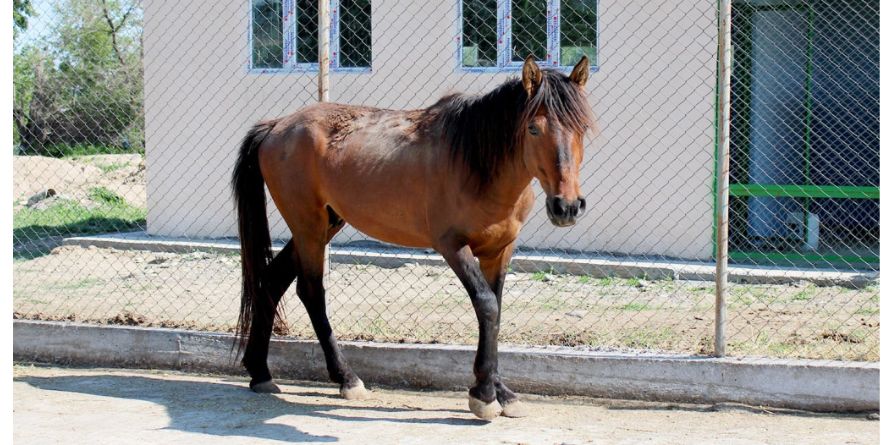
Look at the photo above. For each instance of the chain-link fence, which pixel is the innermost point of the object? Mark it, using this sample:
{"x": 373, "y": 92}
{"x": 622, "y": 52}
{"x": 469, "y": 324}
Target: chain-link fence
{"x": 128, "y": 117}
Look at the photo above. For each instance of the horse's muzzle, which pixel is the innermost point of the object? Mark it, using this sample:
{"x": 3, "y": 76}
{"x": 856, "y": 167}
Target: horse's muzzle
{"x": 563, "y": 213}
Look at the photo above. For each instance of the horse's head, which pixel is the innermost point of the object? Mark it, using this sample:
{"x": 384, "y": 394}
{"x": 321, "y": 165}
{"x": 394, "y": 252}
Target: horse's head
{"x": 556, "y": 119}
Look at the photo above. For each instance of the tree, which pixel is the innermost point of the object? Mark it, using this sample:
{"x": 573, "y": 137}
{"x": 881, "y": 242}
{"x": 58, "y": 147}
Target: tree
{"x": 21, "y": 10}
{"x": 86, "y": 86}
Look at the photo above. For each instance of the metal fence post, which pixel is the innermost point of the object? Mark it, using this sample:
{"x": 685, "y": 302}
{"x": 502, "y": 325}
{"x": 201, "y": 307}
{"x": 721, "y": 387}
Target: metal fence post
{"x": 724, "y": 103}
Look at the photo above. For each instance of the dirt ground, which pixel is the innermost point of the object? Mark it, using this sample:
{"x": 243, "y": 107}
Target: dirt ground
{"x": 424, "y": 304}
{"x": 73, "y": 178}
{"x": 104, "y": 406}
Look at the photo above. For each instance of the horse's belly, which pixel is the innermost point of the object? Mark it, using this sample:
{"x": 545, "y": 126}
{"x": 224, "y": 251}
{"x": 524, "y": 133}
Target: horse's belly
{"x": 389, "y": 207}
{"x": 384, "y": 224}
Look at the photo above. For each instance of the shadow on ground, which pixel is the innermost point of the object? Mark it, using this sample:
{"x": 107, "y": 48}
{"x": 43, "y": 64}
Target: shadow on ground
{"x": 225, "y": 409}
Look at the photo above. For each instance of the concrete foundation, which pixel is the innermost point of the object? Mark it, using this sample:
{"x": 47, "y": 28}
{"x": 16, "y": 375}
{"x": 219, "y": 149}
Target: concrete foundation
{"x": 800, "y": 384}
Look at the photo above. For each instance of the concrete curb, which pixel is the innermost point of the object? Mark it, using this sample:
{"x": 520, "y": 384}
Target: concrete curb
{"x": 799, "y": 384}
{"x": 597, "y": 266}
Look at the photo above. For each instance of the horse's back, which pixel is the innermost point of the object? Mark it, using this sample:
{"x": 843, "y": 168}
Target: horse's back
{"x": 370, "y": 165}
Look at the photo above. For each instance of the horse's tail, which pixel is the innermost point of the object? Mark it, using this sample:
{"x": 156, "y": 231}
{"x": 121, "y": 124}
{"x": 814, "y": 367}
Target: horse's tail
{"x": 252, "y": 223}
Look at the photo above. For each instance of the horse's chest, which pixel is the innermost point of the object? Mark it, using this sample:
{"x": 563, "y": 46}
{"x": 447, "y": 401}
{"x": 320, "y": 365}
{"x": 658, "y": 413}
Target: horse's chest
{"x": 494, "y": 236}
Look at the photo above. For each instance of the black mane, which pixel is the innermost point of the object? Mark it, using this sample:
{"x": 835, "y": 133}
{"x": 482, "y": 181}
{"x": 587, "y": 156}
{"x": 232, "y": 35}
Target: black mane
{"x": 485, "y": 131}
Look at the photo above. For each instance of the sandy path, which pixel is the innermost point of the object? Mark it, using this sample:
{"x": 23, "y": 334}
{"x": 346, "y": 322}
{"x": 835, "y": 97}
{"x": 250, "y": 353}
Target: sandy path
{"x": 101, "y": 406}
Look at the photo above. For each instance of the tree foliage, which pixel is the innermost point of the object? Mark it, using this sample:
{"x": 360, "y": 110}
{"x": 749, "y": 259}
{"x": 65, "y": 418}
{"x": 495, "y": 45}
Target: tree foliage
{"x": 21, "y": 10}
{"x": 83, "y": 83}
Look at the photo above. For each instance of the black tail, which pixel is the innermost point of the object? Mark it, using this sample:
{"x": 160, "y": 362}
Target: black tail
{"x": 252, "y": 221}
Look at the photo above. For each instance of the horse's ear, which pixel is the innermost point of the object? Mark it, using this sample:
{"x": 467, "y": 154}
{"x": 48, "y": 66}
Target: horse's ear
{"x": 581, "y": 72}
{"x": 531, "y": 75}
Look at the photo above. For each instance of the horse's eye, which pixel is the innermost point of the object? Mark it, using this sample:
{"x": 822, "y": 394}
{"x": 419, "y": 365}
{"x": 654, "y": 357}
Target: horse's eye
{"x": 533, "y": 130}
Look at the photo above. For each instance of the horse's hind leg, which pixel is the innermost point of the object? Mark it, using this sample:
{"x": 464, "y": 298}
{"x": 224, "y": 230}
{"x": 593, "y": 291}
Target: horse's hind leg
{"x": 310, "y": 249}
{"x": 277, "y": 278}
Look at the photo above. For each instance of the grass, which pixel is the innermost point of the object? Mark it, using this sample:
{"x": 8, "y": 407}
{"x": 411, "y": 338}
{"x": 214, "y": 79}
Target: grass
{"x": 803, "y": 295}
{"x": 661, "y": 338}
{"x": 112, "y": 167}
{"x": 868, "y": 311}
{"x": 553, "y": 304}
{"x": 106, "y": 197}
{"x": 635, "y": 307}
{"x": 73, "y": 150}
{"x": 81, "y": 284}
{"x": 633, "y": 282}
{"x": 67, "y": 217}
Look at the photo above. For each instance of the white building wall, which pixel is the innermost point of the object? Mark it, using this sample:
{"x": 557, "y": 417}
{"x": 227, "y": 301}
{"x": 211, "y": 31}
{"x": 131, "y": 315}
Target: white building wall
{"x": 647, "y": 177}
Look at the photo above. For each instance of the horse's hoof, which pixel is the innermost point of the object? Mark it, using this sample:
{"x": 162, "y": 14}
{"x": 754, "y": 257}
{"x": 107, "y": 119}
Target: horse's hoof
{"x": 356, "y": 392}
{"x": 268, "y": 387}
{"x": 483, "y": 410}
{"x": 515, "y": 408}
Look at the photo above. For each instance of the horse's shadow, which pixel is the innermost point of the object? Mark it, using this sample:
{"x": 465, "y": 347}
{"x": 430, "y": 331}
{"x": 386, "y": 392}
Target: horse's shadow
{"x": 225, "y": 409}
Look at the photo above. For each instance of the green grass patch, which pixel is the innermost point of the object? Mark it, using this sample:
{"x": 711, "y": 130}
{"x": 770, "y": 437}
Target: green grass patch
{"x": 635, "y": 306}
{"x": 584, "y": 279}
{"x": 539, "y": 276}
{"x": 66, "y": 217}
{"x": 106, "y": 197}
{"x": 74, "y": 150}
{"x": 553, "y": 304}
{"x": 81, "y": 284}
{"x": 605, "y": 281}
{"x": 868, "y": 311}
{"x": 803, "y": 295}
{"x": 112, "y": 167}
{"x": 633, "y": 282}
{"x": 662, "y": 338}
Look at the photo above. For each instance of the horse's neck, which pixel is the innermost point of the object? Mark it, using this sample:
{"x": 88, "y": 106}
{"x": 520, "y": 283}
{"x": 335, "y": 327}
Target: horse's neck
{"x": 512, "y": 181}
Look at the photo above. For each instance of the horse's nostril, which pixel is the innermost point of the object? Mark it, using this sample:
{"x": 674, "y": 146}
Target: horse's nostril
{"x": 560, "y": 206}
{"x": 582, "y": 203}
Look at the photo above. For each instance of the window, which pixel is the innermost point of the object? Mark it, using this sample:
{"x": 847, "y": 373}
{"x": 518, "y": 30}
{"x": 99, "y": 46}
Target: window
{"x": 501, "y": 33}
{"x": 284, "y": 35}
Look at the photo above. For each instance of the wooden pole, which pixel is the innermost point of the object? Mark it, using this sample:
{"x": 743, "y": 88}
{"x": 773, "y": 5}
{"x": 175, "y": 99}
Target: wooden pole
{"x": 323, "y": 50}
{"x": 724, "y": 103}
{"x": 323, "y": 80}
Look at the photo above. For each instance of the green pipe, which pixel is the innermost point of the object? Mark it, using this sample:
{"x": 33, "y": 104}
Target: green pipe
{"x": 805, "y": 191}
{"x": 808, "y": 257}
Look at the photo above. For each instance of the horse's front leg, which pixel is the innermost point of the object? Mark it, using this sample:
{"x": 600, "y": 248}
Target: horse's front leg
{"x": 495, "y": 269}
{"x": 482, "y": 397}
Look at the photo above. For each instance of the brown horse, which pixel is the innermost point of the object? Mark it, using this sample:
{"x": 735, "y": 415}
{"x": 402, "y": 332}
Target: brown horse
{"x": 455, "y": 177}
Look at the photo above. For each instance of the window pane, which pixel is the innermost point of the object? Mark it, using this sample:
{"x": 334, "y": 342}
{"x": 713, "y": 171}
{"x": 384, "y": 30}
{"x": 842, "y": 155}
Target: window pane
{"x": 578, "y": 31}
{"x": 529, "y": 29}
{"x": 267, "y": 34}
{"x": 479, "y": 33}
{"x": 355, "y": 33}
{"x": 306, "y": 31}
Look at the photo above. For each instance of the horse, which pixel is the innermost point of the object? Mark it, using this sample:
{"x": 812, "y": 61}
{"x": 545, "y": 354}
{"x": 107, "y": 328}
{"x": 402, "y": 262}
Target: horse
{"x": 455, "y": 177}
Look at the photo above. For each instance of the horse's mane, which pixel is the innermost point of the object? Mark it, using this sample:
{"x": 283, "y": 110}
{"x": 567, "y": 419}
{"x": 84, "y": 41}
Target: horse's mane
{"x": 483, "y": 132}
